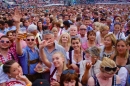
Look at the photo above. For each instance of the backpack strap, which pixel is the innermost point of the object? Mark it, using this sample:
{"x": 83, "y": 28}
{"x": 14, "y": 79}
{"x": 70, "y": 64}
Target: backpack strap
{"x": 53, "y": 72}
{"x": 70, "y": 56}
{"x": 119, "y": 35}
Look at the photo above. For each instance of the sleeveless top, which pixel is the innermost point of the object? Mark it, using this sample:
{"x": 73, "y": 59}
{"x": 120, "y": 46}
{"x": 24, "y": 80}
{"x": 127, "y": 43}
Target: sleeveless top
{"x": 113, "y": 81}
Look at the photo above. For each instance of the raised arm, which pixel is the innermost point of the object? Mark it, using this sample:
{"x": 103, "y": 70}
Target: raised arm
{"x": 85, "y": 76}
{"x": 42, "y": 54}
{"x": 16, "y": 17}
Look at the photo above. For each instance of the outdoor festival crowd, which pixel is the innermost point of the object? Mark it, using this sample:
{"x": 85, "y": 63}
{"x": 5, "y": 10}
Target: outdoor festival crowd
{"x": 81, "y": 45}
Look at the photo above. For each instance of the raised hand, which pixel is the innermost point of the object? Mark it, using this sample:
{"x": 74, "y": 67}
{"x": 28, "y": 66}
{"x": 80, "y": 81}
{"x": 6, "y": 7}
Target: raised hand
{"x": 88, "y": 65}
{"x": 17, "y": 16}
{"x": 44, "y": 43}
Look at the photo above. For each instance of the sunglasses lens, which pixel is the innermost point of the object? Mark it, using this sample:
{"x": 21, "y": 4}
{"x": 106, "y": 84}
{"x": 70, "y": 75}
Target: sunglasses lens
{"x": 32, "y": 39}
{"x": 7, "y": 41}
{"x": 2, "y": 41}
{"x": 114, "y": 69}
{"x": 107, "y": 69}
{"x": 28, "y": 39}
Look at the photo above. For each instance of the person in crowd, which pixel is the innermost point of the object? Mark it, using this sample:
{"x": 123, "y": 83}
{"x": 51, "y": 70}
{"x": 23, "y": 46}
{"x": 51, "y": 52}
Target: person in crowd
{"x": 73, "y": 31}
{"x": 5, "y": 53}
{"x": 50, "y": 49}
{"x": 33, "y": 30}
{"x": 15, "y": 74}
{"x": 91, "y": 65}
{"x": 58, "y": 26}
{"x": 121, "y": 57}
{"x": 40, "y": 28}
{"x": 55, "y": 31}
{"x": 108, "y": 49}
{"x": 117, "y": 31}
{"x": 87, "y": 22}
{"x": 91, "y": 37}
{"x": 82, "y": 35}
{"x": 2, "y": 27}
{"x": 128, "y": 41}
{"x": 48, "y": 23}
{"x": 104, "y": 30}
{"x": 11, "y": 25}
{"x": 106, "y": 76}
{"x": 57, "y": 65}
{"x": 110, "y": 24}
{"x": 69, "y": 78}
{"x": 25, "y": 25}
{"x": 65, "y": 41}
{"x": 75, "y": 56}
{"x": 128, "y": 29}
{"x": 66, "y": 27}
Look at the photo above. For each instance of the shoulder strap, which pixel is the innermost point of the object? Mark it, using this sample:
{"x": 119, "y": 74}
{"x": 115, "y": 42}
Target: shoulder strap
{"x": 95, "y": 80}
{"x": 70, "y": 56}
{"x": 28, "y": 56}
{"x": 119, "y": 35}
{"x": 114, "y": 80}
{"x": 53, "y": 72}
{"x": 83, "y": 56}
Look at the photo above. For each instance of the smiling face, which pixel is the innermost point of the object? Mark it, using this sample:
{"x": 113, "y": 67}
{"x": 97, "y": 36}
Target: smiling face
{"x": 4, "y": 43}
{"x": 30, "y": 40}
{"x": 64, "y": 38}
{"x": 121, "y": 47}
{"x": 117, "y": 28}
{"x": 73, "y": 31}
{"x": 91, "y": 36}
{"x": 58, "y": 60}
{"x": 15, "y": 70}
{"x": 76, "y": 44}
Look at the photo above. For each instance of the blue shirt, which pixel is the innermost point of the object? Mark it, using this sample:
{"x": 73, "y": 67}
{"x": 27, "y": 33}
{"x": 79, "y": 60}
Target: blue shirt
{"x": 24, "y": 60}
{"x": 3, "y": 31}
{"x": 58, "y": 48}
{"x": 111, "y": 27}
{"x": 12, "y": 28}
{"x": 89, "y": 28}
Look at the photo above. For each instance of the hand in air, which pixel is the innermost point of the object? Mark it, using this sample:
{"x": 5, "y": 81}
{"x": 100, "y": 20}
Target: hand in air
{"x": 44, "y": 43}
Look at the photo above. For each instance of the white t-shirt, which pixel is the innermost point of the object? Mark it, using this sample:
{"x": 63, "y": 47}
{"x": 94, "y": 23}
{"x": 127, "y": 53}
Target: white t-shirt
{"x": 3, "y": 76}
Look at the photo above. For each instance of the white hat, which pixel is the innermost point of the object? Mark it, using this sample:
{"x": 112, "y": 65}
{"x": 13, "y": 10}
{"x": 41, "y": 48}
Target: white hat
{"x": 31, "y": 28}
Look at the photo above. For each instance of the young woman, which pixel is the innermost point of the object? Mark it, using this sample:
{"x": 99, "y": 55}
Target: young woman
{"x": 56, "y": 67}
{"x": 108, "y": 49}
{"x": 65, "y": 41}
{"x": 106, "y": 76}
{"x": 40, "y": 28}
{"x": 75, "y": 56}
{"x": 69, "y": 78}
{"x": 117, "y": 31}
{"x": 104, "y": 29}
{"x": 91, "y": 35}
{"x": 121, "y": 57}
{"x": 15, "y": 74}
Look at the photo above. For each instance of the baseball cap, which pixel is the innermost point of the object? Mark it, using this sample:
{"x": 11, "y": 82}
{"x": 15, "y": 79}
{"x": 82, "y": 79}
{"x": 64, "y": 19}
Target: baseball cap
{"x": 41, "y": 82}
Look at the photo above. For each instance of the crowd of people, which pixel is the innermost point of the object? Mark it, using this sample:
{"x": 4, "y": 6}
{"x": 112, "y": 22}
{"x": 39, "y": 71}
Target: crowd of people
{"x": 81, "y": 45}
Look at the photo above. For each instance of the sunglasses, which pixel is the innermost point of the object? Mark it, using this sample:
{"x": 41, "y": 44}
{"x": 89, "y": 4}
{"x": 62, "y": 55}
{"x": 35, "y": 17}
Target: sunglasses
{"x": 82, "y": 29}
{"x": 108, "y": 69}
{"x": 2, "y": 41}
{"x": 30, "y": 39}
{"x": 68, "y": 71}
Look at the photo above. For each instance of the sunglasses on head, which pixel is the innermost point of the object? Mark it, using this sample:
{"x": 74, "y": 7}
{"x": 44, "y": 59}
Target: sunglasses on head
{"x": 68, "y": 71}
{"x": 30, "y": 39}
{"x": 108, "y": 69}
{"x": 2, "y": 41}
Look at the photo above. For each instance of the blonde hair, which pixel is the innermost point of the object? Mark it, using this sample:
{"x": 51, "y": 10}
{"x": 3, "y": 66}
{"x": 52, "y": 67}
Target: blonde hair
{"x": 103, "y": 27}
{"x": 107, "y": 62}
{"x": 54, "y": 29}
{"x": 112, "y": 37}
{"x": 97, "y": 25}
{"x": 69, "y": 39}
{"x": 62, "y": 56}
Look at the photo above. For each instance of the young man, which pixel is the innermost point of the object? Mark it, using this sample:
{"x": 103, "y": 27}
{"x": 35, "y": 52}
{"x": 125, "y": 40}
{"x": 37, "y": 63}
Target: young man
{"x": 29, "y": 56}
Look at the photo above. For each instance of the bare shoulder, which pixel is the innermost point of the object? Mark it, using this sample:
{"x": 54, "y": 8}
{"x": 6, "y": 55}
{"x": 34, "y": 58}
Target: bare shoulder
{"x": 118, "y": 81}
{"x": 91, "y": 81}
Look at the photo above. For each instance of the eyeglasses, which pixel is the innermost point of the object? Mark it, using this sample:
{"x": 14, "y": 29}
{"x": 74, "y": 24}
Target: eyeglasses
{"x": 2, "y": 41}
{"x": 30, "y": 39}
{"x": 68, "y": 71}
{"x": 108, "y": 69}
